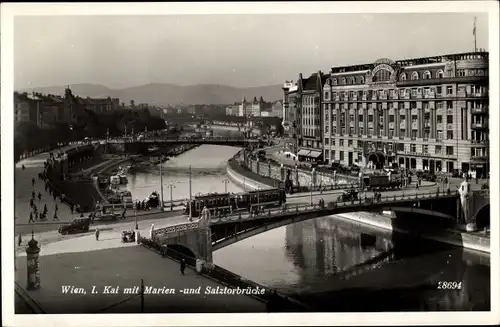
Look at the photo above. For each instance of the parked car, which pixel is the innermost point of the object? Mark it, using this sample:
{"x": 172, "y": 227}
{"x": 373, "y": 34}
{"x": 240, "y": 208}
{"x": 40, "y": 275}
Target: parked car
{"x": 79, "y": 225}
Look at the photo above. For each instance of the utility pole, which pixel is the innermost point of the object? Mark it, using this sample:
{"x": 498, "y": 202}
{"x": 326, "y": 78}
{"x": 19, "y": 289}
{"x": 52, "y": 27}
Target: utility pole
{"x": 190, "y": 205}
{"x": 226, "y": 181}
{"x": 172, "y": 186}
{"x": 161, "y": 183}
{"x": 135, "y": 217}
{"x": 311, "y": 193}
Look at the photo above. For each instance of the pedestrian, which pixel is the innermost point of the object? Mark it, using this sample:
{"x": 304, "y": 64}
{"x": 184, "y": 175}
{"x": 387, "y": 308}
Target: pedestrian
{"x": 54, "y": 195}
{"x": 39, "y": 197}
{"x": 45, "y": 210}
{"x": 183, "y": 266}
{"x": 152, "y": 231}
{"x": 19, "y": 240}
{"x": 56, "y": 208}
{"x": 36, "y": 215}
{"x": 33, "y": 181}
{"x": 97, "y": 234}
{"x": 33, "y": 194}
{"x": 55, "y": 216}
{"x": 31, "y": 203}
{"x": 31, "y": 218}
{"x": 23, "y": 167}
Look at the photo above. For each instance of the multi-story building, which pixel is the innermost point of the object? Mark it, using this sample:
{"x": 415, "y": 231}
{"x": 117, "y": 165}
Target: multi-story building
{"x": 310, "y": 117}
{"x": 428, "y": 113}
{"x": 232, "y": 110}
{"x": 291, "y": 99}
{"x": 22, "y": 108}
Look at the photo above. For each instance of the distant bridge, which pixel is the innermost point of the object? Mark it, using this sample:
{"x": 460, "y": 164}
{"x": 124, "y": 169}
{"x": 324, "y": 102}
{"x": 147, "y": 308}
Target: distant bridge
{"x": 205, "y": 235}
{"x": 216, "y": 140}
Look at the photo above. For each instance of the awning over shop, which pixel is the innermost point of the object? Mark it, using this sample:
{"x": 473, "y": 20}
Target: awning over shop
{"x": 303, "y": 153}
{"x": 315, "y": 154}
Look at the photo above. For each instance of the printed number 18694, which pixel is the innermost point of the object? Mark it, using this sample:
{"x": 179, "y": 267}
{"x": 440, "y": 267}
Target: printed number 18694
{"x": 449, "y": 285}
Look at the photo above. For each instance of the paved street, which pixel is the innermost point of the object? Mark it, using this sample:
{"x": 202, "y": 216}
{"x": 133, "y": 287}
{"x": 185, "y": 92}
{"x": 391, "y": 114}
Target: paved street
{"x": 109, "y": 262}
{"x": 23, "y": 189}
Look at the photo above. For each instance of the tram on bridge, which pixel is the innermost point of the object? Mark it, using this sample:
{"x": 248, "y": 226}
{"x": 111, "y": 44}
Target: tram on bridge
{"x": 231, "y": 202}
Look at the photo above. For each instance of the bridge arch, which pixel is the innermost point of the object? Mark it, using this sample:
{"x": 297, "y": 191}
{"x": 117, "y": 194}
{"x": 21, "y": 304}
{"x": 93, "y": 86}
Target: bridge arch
{"x": 479, "y": 204}
{"x": 482, "y": 217}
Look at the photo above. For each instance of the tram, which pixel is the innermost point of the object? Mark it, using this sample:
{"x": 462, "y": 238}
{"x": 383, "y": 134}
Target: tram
{"x": 228, "y": 202}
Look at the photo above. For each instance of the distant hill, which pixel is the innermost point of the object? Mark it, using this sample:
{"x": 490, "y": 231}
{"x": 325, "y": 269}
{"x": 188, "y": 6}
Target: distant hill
{"x": 164, "y": 93}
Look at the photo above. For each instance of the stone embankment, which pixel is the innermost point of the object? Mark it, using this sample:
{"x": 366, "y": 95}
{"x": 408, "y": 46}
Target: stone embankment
{"x": 253, "y": 180}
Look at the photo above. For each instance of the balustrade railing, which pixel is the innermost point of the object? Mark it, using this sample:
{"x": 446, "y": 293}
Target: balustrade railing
{"x": 360, "y": 202}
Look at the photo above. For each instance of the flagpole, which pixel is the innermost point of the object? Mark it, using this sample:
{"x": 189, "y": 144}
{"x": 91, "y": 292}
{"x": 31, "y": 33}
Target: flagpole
{"x": 474, "y": 32}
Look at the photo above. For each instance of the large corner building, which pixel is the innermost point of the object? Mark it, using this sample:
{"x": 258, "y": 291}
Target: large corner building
{"x": 426, "y": 114}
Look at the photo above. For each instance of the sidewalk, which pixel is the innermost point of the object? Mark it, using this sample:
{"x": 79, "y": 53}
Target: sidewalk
{"x": 51, "y": 239}
{"x": 108, "y": 262}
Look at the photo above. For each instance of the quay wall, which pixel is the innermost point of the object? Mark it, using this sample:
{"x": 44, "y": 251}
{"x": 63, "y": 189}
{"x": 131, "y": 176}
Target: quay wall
{"x": 454, "y": 237}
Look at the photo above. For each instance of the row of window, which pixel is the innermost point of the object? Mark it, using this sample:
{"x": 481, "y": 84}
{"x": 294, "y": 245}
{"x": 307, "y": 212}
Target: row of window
{"x": 438, "y": 150}
{"x": 369, "y": 94}
{"x": 391, "y": 132}
{"x": 384, "y": 75}
{"x": 414, "y": 118}
{"x": 400, "y": 105}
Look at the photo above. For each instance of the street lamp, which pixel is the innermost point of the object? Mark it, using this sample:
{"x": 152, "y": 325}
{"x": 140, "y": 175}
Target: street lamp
{"x": 161, "y": 184}
{"x": 311, "y": 192}
{"x": 226, "y": 181}
{"x": 135, "y": 217}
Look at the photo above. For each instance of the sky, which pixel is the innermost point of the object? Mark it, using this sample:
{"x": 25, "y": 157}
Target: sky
{"x": 234, "y": 50}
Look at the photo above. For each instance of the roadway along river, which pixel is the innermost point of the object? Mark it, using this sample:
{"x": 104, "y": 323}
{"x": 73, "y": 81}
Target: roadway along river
{"x": 332, "y": 263}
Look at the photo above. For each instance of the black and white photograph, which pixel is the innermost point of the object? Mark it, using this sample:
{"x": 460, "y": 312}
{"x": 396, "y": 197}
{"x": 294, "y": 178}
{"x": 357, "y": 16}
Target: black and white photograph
{"x": 285, "y": 163}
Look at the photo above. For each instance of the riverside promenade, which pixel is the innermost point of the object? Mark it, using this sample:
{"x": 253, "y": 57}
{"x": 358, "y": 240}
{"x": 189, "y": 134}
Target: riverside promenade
{"x": 83, "y": 262}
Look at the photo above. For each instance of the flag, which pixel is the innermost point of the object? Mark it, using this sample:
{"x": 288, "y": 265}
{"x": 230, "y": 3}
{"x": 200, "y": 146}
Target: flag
{"x": 474, "y": 30}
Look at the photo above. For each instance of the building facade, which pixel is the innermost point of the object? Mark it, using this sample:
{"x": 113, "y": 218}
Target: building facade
{"x": 309, "y": 116}
{"x": 232, "y": 110}
{"x": 277, "y": 109}
{"x": 291, "y": 99}
{"x": 426, "y": 114}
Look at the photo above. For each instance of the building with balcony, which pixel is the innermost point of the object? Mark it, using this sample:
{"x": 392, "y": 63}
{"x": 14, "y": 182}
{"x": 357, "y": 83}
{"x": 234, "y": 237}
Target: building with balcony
{"x": 428, "y": 113}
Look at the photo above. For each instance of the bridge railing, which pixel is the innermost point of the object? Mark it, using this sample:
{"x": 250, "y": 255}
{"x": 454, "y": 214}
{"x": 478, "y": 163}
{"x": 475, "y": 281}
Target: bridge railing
{"x": 206, "y": 139}
{"x": 363, "y": 202}
{"x": 227, "y": 277}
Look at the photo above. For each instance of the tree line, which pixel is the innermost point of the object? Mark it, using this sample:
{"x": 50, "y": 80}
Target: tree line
{"x": 28, "y": 136}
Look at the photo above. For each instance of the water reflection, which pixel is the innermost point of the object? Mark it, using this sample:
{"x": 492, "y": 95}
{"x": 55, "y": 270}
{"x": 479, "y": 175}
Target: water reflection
{"x": 208, "y": 170}
{"x": 333, "y": 264}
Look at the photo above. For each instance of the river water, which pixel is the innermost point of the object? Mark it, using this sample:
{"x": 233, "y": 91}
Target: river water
{"x": 330, "y": 262}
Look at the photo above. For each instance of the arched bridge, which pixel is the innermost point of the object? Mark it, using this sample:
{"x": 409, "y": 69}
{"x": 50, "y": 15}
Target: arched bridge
{"x": 216, "y": 140}
{"x": 211, "y": 233}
